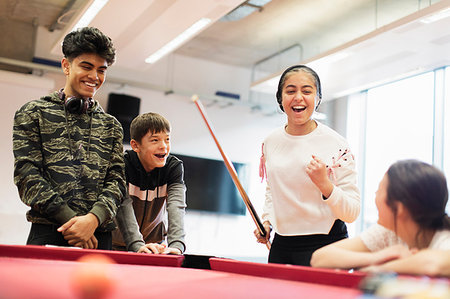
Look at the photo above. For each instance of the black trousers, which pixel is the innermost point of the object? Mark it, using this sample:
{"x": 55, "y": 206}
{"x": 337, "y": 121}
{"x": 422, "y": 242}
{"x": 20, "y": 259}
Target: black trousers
{"x": 297, "y": 250}
{"x": 47, "y": 234}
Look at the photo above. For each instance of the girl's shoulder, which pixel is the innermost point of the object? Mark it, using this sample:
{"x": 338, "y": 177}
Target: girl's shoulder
{"x": 441, "y": 240}
{"x": 325, "y": 130}
{"x": 274, "y": 136}
{"x": 378, "y": 237}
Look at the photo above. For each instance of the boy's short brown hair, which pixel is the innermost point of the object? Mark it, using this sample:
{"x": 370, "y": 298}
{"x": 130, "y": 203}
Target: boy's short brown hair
{"x": 148, "y": 122}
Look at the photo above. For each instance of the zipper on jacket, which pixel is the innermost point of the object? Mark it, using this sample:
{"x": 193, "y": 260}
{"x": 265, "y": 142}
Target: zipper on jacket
{"x": 146, "y": 201}
{"x": 145, "y": 212}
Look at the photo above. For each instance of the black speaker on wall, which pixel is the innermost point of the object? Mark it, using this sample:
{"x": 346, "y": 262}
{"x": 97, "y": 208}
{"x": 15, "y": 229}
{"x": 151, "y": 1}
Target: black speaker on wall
{"x": 125, "y": 108}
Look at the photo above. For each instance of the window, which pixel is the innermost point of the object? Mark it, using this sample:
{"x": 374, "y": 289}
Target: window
{"x": 446, "y": 134}
{"x": 399, "y": 125}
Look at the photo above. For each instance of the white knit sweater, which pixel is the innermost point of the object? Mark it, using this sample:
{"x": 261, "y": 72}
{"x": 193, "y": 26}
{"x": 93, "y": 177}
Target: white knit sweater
{"x": 294, "y": 205}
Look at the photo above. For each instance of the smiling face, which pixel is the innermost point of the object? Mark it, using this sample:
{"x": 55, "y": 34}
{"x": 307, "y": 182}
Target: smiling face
{"x": 299, "y": 100}
{"x": 85, "y": 74}
{"x": 152, "y": 150}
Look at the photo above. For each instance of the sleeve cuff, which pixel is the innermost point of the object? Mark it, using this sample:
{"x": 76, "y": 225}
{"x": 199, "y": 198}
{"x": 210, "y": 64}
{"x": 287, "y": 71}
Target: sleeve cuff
{"x": 332, "y": 195}
{"x": 100, "y": 213}
{"x": 135, "y": 246}
{"x": 64, "y": 214}
{"x": 178, "y": 245}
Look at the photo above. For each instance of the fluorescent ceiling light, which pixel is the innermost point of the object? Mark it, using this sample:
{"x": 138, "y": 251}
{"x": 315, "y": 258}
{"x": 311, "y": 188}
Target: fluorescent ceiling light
{"x": 89, "y": 10}
{"x": 90, "y": 13}
{"x": 177, "y": 41}
{"x": 437, "y": 16}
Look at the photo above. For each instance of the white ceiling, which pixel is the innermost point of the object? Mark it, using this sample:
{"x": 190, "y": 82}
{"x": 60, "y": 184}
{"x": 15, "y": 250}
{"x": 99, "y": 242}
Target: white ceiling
{"x": 379, "y": 37}
{"x": 399, "y": 49}
{"x": 140, "y": 29}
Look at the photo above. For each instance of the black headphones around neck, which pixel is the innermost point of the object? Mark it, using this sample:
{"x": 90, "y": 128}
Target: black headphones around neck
{"x": 75, "y": 105}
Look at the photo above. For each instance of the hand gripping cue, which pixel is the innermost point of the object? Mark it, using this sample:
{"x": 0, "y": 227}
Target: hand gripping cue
{"x": 232, "y": 172}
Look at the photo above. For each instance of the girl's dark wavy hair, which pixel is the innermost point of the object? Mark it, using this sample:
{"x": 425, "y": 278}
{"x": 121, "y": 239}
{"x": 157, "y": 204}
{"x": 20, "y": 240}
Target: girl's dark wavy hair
{"x": 422, "y": 189}
{"x": 88, "y": 40}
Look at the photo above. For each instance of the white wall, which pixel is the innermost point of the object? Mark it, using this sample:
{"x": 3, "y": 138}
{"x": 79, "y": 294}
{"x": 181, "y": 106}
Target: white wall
{"x": 239, "y": 131}
{"x": 16, "y": 90}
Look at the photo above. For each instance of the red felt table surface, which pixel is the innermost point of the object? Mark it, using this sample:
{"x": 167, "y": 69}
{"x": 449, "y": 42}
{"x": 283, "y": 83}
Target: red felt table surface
{"x": 45, "y": 278}
{"x": 48, "y": 272}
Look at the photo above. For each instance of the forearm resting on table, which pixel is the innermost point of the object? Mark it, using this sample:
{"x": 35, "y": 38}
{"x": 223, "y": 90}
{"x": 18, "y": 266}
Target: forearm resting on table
{"x": 353, "y": 253}
{"x": 335, "y": 257}
{"x": 431, "y": 262}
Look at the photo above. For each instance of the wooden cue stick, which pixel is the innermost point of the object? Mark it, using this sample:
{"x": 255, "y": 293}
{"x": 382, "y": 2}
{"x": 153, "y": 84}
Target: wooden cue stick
{"x": 232, "y": 172}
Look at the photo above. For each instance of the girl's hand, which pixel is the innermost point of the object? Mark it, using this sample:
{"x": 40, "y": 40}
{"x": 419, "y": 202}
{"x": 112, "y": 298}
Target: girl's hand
{"x": 317, "y": 172}
{"x": 259, "y": 237}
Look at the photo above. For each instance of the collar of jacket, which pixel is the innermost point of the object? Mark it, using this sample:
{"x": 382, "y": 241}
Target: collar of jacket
{"x": 136, "y": 173}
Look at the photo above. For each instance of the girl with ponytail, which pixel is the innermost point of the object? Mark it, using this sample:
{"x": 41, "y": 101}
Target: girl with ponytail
{"x": 412, "y": 235}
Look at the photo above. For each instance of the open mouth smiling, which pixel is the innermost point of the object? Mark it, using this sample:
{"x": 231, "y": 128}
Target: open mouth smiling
{"x": 89, "y": 84}
{"x": 299, "y": 108}
{"x": 160, "y": 156}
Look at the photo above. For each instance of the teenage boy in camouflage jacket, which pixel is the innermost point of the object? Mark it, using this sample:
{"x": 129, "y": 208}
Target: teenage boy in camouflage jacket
{"x": 69, "y": 166}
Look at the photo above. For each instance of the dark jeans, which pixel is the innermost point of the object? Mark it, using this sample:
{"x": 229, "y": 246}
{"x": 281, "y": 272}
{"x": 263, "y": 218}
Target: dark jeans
{"x": 297, "y": 250}
{"x": 43, "y": 234}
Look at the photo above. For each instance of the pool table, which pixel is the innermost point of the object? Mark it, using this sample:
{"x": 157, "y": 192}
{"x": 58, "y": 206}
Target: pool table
{"x": 47, "y": 272}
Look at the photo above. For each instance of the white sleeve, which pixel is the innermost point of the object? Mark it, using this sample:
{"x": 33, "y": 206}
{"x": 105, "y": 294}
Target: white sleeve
{"x": 344, "y": 200}
{"x": 441, "y": 240}
{"x": 378, "y": 237}
{"x": 268, "y": 207}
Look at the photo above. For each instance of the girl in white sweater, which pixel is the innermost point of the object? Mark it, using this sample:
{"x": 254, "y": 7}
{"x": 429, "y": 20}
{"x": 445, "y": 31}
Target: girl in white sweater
{"x": 310, "y": 173}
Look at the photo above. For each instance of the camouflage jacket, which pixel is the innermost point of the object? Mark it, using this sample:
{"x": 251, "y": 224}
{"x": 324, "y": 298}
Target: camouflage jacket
{"x": 68, "y": 164}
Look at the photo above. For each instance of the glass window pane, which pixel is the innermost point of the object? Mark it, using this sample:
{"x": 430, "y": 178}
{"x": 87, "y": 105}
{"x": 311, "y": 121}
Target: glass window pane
{"x": 447, "y": 129}
{"x": 356, "y": 109}
{"x": 399, "y": 126}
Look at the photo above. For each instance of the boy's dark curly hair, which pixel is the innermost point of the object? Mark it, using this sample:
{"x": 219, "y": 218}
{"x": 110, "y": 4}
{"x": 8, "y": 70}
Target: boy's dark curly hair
{"x": 88, "y": 40}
